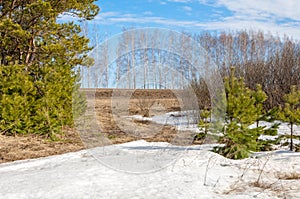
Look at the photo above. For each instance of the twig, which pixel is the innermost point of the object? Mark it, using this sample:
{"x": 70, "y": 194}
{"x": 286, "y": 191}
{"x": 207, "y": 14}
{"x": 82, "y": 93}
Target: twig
{"x": 206, "y": 170}
{"x": 262, "y": 169}
{"x": 269, "y": 187}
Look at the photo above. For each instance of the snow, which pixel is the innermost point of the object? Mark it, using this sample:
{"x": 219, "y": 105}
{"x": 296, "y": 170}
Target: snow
{"x": 197, "y": 173}
{"x": 139, "y": 118}
{"x": 182, "y": 120}
{"x": 143, "y": 169}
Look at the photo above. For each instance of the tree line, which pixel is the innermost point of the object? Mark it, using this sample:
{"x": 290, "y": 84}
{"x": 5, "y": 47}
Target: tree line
{"x": 259, "y": 58}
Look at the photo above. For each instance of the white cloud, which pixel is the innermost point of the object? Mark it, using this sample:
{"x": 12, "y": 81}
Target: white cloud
{"x": 148, "y": 13}
{"x": 108, "y": 14}
{"x": 147, "y": 20}
{"x": 277, "y": 16}
{"x": 276, "y": 8}
{"x": 187, "y": 8}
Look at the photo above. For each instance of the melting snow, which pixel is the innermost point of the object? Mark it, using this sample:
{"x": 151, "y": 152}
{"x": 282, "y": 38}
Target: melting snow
{"x": 142, "y": 169}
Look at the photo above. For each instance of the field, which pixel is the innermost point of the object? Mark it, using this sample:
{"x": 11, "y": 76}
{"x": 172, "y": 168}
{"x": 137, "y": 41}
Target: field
{"x": 118, "y": 129}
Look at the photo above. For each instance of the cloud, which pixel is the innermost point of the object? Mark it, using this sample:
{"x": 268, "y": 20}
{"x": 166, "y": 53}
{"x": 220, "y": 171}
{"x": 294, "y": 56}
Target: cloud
{"x": 235, "y": 22}
{"x": 180, "y": 1}
{"x": 148, "y": 13}
{"x": 270, "y": 8}
{"x": 275, "y": 16}
{"x": 145, "y": 20}
{"x": 187, "y": 8}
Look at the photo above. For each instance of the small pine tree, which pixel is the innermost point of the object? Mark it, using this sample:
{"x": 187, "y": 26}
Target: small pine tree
{"x": 262, "y": 114}
{"x": 244, "y": 107}
{"x": 260, "y": 96}
{"x": 291, "y": 111}
{"x": 204, "y": 124}
{"x": 240, "y": 103}
{"x": 205, "y": 119}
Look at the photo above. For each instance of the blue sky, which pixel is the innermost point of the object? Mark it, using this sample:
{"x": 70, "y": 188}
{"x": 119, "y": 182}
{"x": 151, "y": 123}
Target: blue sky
{"x": 278, "y": 17}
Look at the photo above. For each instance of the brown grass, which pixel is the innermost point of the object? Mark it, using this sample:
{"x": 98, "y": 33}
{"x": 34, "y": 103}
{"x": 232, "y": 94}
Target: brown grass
{"x": 289, "y": 176}
{"x": 21, "y": 147}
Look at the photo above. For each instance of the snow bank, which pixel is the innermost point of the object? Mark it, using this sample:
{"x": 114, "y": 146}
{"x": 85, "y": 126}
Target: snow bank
{"x": 196, "y": 173}
{"x": 155, "y": 170}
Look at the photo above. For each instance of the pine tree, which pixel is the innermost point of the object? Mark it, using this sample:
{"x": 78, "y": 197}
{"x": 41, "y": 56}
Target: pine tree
{"x": 204, "y": 124}
{"x": 262, "y": 114}
{"x": 244, "y": 108}
{"x": 260, "y": 96}
{"x": 205, "y": 119}
{"x": 17, "y": 98}
{"x": 291, "y": 111}
{"x": 38, "y": 58}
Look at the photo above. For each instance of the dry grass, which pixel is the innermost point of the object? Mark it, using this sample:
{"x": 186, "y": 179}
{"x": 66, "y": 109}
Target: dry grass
{"x": 289, "y": 176}
{"x": 21, "y": 147}
{"x": 277, "y": 183}
{"x": 110, "y": 120}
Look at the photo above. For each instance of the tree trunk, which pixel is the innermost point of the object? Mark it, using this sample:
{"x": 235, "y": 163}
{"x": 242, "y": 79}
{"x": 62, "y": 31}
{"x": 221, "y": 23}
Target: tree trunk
{"x": 291, "y": 146}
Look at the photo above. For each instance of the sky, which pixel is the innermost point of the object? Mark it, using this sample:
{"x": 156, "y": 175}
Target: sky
{"x": 279, "y": 17}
